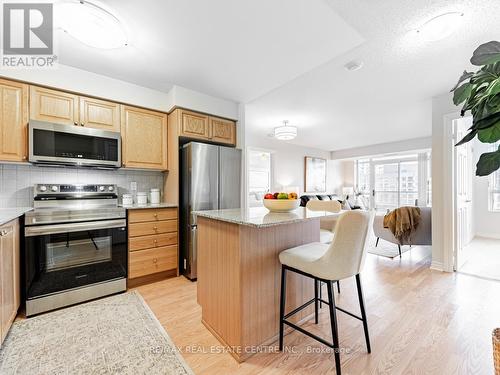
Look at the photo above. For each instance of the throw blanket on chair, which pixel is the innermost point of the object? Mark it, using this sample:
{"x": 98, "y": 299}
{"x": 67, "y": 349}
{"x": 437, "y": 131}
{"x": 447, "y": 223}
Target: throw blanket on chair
{"x": 402, "y": 222}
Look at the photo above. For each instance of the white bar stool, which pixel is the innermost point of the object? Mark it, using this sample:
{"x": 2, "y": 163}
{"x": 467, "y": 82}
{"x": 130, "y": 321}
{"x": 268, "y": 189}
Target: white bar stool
{"x": 343, "y": 258}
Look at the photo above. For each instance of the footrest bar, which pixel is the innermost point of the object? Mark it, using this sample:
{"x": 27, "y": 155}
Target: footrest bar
{"x": 323, "y": 341}
{"x": 349, "y": 313}
{"x": 298, "y": 309}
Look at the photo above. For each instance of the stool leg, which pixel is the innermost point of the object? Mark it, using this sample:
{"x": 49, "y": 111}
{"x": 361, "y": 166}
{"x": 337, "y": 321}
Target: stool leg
{"x": 282, "y": 305}
{"x": 399, "y": 249}
{"x": 320, "y": 293}
{"x": 316, "y": 296}
{"x": 338, "y": 286}
{"x": 363, "y": 312}
{"x": 333, "y": 322}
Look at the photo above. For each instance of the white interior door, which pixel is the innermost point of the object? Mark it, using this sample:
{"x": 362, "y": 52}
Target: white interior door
{"x": 463, "y": 191}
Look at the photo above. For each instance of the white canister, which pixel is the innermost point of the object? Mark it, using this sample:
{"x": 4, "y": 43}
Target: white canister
{"x": 142, "y": 198}
{"x": 127, "y": 200}
{"x": 154, "y": 196}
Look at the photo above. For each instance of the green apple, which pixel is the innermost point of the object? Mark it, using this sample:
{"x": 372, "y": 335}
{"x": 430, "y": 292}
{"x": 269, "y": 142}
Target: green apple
{"x": 282, "y": 196}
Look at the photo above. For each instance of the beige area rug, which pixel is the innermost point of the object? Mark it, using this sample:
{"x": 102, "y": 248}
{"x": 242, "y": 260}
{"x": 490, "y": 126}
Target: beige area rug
{"x": 113, "y": 335}
{"x": 385, "y": 248}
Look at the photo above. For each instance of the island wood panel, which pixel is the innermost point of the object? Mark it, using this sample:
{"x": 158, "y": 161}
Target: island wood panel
{"x": 261, "y": 279}
{"x": 239, "y": 280}
{"x": 152, "y": 214}
{"x": 13, "y": 121}
{"x": 219, "y": 291}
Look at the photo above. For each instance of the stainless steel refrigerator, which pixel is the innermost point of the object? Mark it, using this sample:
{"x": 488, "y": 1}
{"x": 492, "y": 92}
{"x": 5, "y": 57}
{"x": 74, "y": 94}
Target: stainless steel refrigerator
{"x": 210, "y": 179}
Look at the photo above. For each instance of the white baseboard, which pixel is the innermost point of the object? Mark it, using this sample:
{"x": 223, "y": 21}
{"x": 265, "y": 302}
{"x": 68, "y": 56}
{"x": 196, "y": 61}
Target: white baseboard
{"x": 437, "y": 266}
{"x": 495, "y": 236}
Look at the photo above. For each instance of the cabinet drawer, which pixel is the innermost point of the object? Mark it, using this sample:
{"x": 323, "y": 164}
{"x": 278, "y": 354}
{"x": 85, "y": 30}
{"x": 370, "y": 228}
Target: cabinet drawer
{"x": 156, "y": 227}
{"x": 152, "y": 214}
{"x": 147, "y": 262}
{"x": 157, "y": 240}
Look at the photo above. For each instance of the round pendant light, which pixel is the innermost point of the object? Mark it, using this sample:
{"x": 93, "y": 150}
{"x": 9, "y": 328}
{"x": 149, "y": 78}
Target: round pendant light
{"x": 91, "y": 24}
{"x": 285, "y": 132}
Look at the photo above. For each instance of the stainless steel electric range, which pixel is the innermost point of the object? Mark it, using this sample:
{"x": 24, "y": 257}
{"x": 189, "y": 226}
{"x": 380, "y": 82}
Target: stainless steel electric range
{"x": 75, "y": 246}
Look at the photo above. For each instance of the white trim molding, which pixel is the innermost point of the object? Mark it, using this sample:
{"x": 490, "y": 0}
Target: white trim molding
{"x": 437, "y": 266}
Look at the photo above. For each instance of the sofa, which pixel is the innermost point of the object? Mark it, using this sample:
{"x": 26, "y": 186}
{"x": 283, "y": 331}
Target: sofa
{"x": 421, "y": 236}
{"x": 346, "y": 205}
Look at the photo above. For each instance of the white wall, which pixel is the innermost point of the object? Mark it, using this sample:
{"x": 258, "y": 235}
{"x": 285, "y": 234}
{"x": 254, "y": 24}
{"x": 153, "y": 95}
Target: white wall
{"x": 414, "y": 144}
{"x": 288, "y": 162}
{"x": 441, "y": 223}
{"x": 72, "y": 79}
{"x": 486, "y": 223}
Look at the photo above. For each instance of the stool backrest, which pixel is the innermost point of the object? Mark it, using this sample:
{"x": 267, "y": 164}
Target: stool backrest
{"x": 330, "y": 206}
{"x": 346, "y": 255}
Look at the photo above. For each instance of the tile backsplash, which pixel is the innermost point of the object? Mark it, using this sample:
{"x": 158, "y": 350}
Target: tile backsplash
{"x": 17, "y": 180}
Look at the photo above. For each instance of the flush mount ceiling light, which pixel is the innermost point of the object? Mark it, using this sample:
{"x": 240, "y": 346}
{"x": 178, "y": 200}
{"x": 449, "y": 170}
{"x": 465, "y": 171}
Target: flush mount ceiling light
{"x": 441, "y": 26}
{"x": 285, "y": 132}
{"x": 90, "y": 24}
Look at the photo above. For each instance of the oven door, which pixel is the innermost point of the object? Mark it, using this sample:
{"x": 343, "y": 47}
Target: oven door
{"x": 59, "y": 144}
{"x": 60, "y": 257}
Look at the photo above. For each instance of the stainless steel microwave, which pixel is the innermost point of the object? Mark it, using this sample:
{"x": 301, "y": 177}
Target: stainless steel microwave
{"x": 57, "y": 144}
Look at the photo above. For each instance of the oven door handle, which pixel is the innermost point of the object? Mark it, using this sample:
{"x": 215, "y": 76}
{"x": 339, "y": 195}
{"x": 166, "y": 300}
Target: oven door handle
{"x": 73, "y": 227}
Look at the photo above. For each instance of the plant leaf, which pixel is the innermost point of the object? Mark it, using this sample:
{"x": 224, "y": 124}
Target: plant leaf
{"x": 487, "y": 53}
{"x": 470, "y": 136}
{"x": 488, "y": 163}
{"x": 487, "y": 122}
{"x": 493, "y": 88}
{"x": 462, "y": 93}
{"x": 465, "y": 75}
{"x": 491, "y": 134}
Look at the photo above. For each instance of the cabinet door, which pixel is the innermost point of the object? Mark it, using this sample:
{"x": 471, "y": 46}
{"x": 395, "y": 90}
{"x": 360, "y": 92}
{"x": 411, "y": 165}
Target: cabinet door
{"x": 53, "y": 106}
{"x": 194, "y": 125}
{"x": 144, "y": 138}
{"x": 13, "y": 121}
{"x": 99, "y": 114}
{"x": 9, "y": 275}
{"x": 222, "y": 131}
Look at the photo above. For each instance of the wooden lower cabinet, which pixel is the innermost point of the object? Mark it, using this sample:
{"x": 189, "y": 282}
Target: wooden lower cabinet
{"x": 152, "y": 243}
{"x": 9, "y": 275}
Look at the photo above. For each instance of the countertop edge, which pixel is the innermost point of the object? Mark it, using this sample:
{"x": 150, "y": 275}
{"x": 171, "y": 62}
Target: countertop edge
{"x": 12, "y": 214}
{"x": 149, "y": 206}
{"x": 254, "y": 225}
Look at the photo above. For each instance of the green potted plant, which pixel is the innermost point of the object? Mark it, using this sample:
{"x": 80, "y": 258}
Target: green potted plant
{"x": 479, "y": 93}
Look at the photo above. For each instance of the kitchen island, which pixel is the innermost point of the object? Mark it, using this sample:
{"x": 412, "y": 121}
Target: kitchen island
{"x": 239, "y": 273}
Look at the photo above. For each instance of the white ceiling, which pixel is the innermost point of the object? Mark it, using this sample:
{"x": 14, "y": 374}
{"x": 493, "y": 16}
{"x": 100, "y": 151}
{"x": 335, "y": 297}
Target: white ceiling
{"x": 389, "y": 98}
{"x": 236, "y": 50}
{"x": 285, "y": 58}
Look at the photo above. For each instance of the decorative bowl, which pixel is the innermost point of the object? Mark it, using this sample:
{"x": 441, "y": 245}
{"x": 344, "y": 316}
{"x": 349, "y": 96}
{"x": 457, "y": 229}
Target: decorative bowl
{"x": 281, "y": 205}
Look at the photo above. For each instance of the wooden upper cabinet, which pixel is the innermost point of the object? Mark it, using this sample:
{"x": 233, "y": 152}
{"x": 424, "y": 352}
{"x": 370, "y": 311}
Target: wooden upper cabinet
{"x": 194, "y": 125}
{"x": 222, "y": 131}
{"x": 13, "y": 121}
{"x": 9, "y": 275}
{"x": 203, "y": 127}
{"x": 99, "y": 114}
{"x": 53, "y": 106}
{"x": 144, "y": 138}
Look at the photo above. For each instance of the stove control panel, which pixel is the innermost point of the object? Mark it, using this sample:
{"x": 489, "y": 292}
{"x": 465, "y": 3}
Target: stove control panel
{"x": 73, "y": 190}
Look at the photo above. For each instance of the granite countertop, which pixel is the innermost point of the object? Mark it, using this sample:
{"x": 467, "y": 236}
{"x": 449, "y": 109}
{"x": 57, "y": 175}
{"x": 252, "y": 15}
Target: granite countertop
{"x": 260, "y": 217}
{"x": 149, "y": 205}
{"x": 8, "y": 214}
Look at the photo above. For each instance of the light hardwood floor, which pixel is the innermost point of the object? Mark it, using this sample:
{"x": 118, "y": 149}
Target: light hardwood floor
{"x": 421, "y": 322}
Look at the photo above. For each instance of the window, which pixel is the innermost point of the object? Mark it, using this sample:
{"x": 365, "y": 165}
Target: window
{"x": 259, "y": 176}
{"x": 494, "y": 185}
{"x": 363, "y": 180}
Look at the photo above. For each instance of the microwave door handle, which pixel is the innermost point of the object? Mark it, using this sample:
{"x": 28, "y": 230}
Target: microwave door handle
{"x": 73, "y": 227}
